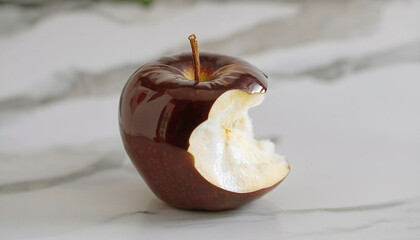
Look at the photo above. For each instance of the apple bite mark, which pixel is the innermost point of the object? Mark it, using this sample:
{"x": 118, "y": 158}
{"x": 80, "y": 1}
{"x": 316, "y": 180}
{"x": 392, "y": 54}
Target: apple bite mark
{"x": 225, "y": 151}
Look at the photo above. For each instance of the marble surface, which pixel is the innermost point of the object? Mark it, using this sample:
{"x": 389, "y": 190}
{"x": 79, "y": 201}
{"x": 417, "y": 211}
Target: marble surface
{"x": 343, "y": 106}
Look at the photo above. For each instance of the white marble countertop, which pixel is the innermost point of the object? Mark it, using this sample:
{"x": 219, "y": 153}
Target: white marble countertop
{"x": 342, "y": 105}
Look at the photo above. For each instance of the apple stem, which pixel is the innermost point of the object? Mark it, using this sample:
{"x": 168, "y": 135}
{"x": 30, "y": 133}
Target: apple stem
{"x": 196, "y": 58}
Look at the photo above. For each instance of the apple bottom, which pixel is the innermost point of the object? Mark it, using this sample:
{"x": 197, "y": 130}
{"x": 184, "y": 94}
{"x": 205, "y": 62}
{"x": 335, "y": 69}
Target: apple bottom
{"x": 170, "y": 173}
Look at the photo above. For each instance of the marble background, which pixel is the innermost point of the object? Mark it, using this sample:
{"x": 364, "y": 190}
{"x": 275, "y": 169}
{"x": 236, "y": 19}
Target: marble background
{"x": 343, "y": 105}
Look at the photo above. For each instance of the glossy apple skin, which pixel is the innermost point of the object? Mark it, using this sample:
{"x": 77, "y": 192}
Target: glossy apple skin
{"x": 159, "y": 108}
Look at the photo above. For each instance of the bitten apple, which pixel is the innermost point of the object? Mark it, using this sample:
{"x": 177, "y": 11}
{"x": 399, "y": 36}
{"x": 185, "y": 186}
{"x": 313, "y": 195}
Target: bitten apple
{"x": 185, "y": 126}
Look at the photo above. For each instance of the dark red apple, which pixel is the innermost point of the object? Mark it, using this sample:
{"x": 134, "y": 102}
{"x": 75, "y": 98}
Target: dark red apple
{"x": 192, "y": 140}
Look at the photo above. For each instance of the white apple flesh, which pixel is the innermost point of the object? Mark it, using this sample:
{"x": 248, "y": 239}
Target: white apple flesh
{"x": 225, "y": 151}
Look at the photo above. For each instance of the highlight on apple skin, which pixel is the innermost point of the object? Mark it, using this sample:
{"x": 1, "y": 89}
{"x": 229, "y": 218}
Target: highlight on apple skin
{"x": 191, "y": 139}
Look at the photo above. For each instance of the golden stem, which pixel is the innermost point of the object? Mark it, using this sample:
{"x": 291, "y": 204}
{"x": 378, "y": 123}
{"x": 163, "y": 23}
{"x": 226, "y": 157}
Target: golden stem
{"x": 196, "y": 57}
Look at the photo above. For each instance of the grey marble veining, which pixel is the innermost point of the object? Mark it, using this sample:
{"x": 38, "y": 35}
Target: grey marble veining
{"x": 148, "y": 216}
{"x": 405, "y": 53}
{"x": 92, "y": 158}
{"x": 315, "y": 21}
{"x": 342, "y": 105}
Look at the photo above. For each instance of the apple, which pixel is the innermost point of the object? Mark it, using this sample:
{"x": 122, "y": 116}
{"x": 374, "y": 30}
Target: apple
{"x": 185, "y": 126}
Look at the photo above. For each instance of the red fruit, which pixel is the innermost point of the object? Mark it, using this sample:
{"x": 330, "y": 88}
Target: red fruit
{"x": 192, "y": 140}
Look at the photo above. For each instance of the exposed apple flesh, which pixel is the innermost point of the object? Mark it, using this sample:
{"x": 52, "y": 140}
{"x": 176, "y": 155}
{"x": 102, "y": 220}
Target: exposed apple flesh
{"x": 225, "y": 151}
